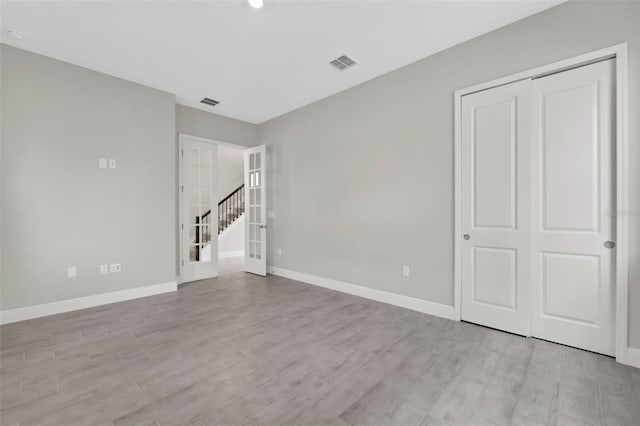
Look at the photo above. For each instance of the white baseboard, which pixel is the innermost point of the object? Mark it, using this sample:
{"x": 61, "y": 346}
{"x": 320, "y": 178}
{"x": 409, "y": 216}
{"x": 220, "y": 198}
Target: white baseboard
{"x": 37, "y": 311}
{"x": 632, "y": 358}
{"x": 420, "y": 305}
{"x": 230, "y": 254}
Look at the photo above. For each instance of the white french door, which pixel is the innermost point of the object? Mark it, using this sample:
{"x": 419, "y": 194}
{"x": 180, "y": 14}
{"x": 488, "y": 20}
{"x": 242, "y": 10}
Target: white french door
{"x": 496, "y": 212}
{"x": 255, "y": 244}
{"x": 199, "y": 227}
{"x": 573, "y": 188}
{"x": 537, "y": 207}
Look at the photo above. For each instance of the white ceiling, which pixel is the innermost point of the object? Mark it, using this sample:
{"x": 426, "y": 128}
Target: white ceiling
{"x": 259, "y": 63}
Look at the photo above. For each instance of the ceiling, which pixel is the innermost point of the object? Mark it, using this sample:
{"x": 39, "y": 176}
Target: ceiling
{"x": 259, "y": 63}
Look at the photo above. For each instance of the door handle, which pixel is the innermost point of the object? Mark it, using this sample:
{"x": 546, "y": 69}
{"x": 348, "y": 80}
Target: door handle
{"x": 466, "y": 236}
{"x": 609, "y": 244}
{"x": 263, "y": 226}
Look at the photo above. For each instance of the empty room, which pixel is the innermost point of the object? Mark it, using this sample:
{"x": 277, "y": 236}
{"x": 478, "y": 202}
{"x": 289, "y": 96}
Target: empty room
{"x": 320, "y": 212}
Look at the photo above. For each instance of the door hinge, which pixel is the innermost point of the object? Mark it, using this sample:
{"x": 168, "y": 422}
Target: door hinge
{"x": 182, "y": 188}
{"x": 182, "y": 225}
{"x": 183, "y": 263}
{"x": 182, "y": 152}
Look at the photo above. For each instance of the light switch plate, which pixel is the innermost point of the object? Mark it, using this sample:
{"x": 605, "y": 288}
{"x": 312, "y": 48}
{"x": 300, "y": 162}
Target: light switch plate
{"x": 112, "y": 164}
{"x": 114, "y": 267}
{"x": 405, "y": 271}
{"x": 72, "y": 272}
{"x": 102, "y": 163}
{"x": 104, "y": 269}
{"x": 271, "y": 214}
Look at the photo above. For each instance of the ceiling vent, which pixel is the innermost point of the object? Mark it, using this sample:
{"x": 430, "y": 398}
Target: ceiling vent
{"x": 343, "y": 62}
{"x": 210, "y": 101}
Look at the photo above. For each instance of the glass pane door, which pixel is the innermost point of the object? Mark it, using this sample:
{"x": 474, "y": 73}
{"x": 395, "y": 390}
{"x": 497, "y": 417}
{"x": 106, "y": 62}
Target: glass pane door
{"x": 199, "y": 208}
{"x": 255, "y": 208}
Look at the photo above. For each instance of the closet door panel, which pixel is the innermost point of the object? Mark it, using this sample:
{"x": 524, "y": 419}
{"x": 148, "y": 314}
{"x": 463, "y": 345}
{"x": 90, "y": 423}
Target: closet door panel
{"x": 573, "y": 186}
{"x": 496, "y": 207}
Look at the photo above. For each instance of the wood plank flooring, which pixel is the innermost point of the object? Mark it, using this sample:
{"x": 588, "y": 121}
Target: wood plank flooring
{"x": 246, "y": 350}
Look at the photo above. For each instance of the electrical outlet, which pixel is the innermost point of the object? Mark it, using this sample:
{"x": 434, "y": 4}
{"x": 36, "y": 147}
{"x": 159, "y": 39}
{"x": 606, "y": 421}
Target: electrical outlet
{"x": 114, "y": 267}
{"x": 102, "y": 163}
{"x": 405, "y": 271}
{"x": 104, "y": 269}
{"x": 112, "y": 164}
{"x": 279, "y": 252}
{"x": 72, "y": 272}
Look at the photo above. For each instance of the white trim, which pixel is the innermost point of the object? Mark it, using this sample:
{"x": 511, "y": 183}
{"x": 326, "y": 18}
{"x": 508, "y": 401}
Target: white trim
{"x": 623, "y": 351}
{"x": 37, "y": 311}
{"x": 632, "y": 357}
{"x": 226, "y": 254}
{"x": 619, "y": 52}
{"x": 420, "y": 305}
{"x": 205, "y": 140}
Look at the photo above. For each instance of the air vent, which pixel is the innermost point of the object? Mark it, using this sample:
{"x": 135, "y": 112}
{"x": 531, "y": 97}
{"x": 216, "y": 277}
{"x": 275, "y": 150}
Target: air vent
{"x": 210, "y": 101}
{"x": 343, "y": 62}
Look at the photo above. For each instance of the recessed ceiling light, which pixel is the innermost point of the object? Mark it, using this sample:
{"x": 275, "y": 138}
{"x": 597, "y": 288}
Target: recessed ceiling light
{"x": 16, "y": 34}
{"x": 256, "y": 4}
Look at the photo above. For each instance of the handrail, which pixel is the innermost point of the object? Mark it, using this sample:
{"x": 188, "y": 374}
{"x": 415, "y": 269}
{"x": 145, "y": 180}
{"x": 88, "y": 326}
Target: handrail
{"x": 230, "y": 208}
{"x": 224, "y": 199}
{"x": 230, "y": 195}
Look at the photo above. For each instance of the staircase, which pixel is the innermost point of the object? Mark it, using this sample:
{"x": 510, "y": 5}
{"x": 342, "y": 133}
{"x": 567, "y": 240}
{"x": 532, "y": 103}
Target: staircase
{"x": 230, "y": 208}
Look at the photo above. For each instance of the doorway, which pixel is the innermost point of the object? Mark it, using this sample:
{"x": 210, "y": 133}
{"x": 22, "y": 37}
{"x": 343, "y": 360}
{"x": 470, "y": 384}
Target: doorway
{"x": 540, "y": 174}
{"x": 222, "y": 208}
{"x": 231, "y": 208}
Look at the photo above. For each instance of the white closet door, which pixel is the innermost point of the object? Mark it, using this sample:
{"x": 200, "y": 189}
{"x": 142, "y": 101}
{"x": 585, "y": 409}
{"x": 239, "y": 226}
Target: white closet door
{"x": 496, "y": 255}
{"x": 255, "y": 199}
{"x": 573, "y": 186}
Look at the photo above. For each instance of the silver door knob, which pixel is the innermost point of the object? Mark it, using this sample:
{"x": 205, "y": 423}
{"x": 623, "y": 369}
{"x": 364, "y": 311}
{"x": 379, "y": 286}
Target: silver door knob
{"x": 609, "y": 244}
{"x": 466, "y": 236}
{"x": 263, "y": 226}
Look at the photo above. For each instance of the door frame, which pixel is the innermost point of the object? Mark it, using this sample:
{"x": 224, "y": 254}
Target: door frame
{"x": 181, "y": 138}
{"x": 619, "y": 53}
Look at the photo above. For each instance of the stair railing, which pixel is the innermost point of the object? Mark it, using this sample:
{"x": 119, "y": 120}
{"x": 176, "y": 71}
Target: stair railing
{"x": 230, "y": 208}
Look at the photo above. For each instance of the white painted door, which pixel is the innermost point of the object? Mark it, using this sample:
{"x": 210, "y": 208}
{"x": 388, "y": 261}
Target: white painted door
{"x": 496, "y": 208}
{"x": 199, "y": 209}
{"x": 573, "y": 187}
{"x": 255, "y": 236}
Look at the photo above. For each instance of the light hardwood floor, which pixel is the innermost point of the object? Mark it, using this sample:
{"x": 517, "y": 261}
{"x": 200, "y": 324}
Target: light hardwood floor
{"x": 242, "y": 349}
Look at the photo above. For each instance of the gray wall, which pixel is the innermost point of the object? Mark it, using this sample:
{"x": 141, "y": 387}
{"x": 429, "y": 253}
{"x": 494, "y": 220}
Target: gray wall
{"x": 362, "y": 182}
{"x": 58, "y": 208}
{"x": 230, "y": 169}
{"x": 195, "y": 122}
